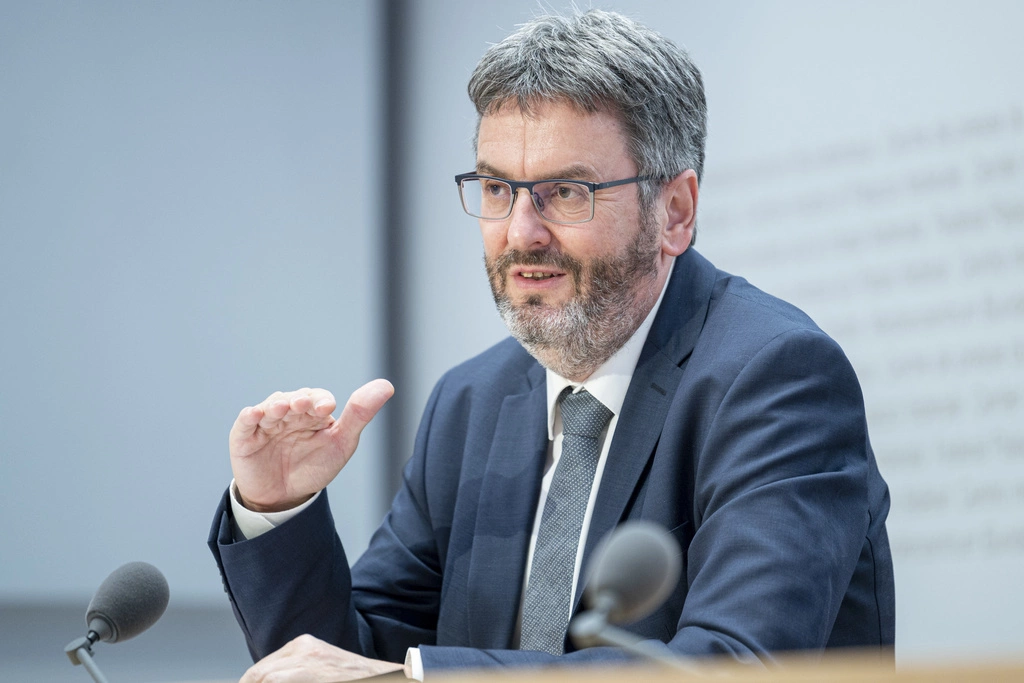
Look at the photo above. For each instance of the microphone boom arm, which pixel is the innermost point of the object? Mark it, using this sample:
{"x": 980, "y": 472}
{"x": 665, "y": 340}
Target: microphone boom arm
{"x": 592, "y": 628}
{"x": 79, "y": 651}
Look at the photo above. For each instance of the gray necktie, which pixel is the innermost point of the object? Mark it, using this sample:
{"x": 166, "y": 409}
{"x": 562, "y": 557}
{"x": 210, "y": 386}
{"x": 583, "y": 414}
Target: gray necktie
{"x": 549, "y": 591}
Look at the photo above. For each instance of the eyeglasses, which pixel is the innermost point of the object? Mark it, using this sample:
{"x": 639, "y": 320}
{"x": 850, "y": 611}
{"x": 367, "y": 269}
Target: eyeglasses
{"x": 558, "y": 201}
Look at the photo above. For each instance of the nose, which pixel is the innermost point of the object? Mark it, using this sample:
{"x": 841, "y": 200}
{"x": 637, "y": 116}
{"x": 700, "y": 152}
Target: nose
{"x": 526, "y": 229}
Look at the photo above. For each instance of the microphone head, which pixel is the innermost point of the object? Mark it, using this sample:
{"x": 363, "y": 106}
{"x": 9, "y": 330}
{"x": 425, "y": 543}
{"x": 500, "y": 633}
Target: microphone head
{"x": 634, "y": 568}
{"x": 128, "y": 602}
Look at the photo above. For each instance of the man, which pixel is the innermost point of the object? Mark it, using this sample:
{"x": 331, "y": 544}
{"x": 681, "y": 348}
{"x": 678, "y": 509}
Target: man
{"x": 641, "y": 383}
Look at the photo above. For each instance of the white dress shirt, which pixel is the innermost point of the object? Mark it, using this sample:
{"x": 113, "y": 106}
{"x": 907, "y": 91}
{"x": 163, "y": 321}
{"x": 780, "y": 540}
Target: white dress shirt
{"x": 608, "y": 384}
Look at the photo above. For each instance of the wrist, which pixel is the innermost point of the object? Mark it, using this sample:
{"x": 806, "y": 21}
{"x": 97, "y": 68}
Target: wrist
{"x": 248, "y": 524}
{"x": 280, "y": 506}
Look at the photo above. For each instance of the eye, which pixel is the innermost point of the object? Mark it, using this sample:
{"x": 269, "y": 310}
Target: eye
{"x": 569, "y": 192}
{"x": 494, "y": 188}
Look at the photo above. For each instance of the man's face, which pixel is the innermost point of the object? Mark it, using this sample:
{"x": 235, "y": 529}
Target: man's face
{"x": 571, "y": 294}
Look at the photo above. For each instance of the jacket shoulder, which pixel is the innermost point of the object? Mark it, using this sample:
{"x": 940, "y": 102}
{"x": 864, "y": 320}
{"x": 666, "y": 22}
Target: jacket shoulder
{"x": 504, "y": 368}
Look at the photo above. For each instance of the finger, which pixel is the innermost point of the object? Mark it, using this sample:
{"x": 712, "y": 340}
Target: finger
{"x": 291, "y": 404}
{"x": 252, "y": 675}
{"x": 310, "y": 412}
{"x": 274, "y": 408}
{"x": 256, "y": 673}
{"x": 300, "y": 402}
{"x": 298, "y": 672}
{"x": 277, "y": 666}
{"x": 272, "y": 666}
{"x": 362, "y": 406}
{"x": 243, "y": 431}
{"x": 314, "y": 402}
{"x": 324, "y": 402}
{"x": 247, "y": 421}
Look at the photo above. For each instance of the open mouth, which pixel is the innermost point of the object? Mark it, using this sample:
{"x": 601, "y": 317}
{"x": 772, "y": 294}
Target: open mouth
{"x": 535, "y": 275}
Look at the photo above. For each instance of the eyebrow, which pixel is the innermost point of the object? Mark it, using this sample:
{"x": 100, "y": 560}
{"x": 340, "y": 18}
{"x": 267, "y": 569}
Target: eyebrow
{"x": 573, "y": 172}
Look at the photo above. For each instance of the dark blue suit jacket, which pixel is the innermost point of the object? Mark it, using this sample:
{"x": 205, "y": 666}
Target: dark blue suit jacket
{"x": 743, "y": 432}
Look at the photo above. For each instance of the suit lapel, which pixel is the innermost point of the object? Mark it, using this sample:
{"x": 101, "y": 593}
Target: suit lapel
{"x": 651, "y": 391}
{"x": 508, "y": 503}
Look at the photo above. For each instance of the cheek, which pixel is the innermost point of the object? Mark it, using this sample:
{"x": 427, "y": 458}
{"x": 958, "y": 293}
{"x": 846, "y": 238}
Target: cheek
{"x": 494, "y": 238}
{"x": 586, "y": 245}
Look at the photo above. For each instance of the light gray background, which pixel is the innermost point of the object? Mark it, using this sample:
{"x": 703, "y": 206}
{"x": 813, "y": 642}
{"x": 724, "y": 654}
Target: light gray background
{"x": 187, "y": 223}
{"x": 189, "y": 220}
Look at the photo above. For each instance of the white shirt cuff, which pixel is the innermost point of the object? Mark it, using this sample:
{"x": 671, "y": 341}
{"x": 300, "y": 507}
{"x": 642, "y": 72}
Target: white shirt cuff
{"x": 249, "y": 524}
{"x": 414, "y": 663}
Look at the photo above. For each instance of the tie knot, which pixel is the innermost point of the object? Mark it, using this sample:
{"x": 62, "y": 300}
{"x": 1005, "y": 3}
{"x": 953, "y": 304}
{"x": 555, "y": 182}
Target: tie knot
{"x": 582, "y": 414}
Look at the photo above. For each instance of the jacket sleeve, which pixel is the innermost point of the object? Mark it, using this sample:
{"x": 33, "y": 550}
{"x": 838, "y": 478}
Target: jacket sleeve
{"x": 295, "y": 579}
{"x": 782, "y": 502}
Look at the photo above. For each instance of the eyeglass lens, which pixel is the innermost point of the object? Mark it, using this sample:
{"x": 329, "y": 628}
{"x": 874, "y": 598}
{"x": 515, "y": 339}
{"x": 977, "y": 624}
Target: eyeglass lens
{"x": 559, "y": 201}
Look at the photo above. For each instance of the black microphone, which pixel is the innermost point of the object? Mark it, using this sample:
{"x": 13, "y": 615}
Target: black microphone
{"x": 634, "y": 568}
{"x": 128, "y": 602}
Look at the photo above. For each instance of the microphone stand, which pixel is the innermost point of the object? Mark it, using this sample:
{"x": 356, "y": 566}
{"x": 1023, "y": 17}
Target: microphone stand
{"x": 592, "y": 628}
{"x": 79, "y": 651}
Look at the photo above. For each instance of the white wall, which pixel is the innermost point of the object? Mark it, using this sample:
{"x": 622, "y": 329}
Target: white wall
{"x": 187, "y": 223}
{"x": 865, "y": 161}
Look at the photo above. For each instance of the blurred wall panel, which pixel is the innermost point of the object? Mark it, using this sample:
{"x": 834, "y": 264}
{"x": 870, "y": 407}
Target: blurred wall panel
{"x": 865, "y": 161}
{"x": 188, "y": 220}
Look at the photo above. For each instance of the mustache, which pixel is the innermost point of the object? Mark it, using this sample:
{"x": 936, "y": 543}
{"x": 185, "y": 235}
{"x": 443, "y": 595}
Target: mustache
{"x": 500, "y": 266}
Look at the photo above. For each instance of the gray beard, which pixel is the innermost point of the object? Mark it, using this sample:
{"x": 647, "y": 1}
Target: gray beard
{"x": 611, "y": 299}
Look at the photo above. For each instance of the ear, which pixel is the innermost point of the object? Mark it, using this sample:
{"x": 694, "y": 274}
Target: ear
{"x": 679, "y": 198}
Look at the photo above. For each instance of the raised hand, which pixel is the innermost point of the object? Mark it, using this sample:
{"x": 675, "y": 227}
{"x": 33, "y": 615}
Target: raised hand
{"x": 288, "y": 447}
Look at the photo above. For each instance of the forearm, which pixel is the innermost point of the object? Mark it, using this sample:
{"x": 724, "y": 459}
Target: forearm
{"x": 684, "y": 649}
{"x": 289, "y": 581}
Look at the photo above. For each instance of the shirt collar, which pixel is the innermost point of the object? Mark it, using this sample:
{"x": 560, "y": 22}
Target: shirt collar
{"x": 609, "y": 383}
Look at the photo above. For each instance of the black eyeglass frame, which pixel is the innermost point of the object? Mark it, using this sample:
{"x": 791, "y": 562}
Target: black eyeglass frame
{"x": 528, "y": 185}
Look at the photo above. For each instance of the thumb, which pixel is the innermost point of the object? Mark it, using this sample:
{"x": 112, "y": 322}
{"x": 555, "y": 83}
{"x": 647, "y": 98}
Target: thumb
{"x": 362, "y": 406}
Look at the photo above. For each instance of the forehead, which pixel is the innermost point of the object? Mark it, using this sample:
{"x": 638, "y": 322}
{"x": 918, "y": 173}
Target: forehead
{"x": 552, "y": 137}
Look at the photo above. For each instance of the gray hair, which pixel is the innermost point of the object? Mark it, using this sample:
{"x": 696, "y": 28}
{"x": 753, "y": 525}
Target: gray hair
{"x": 603, "y": 61}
